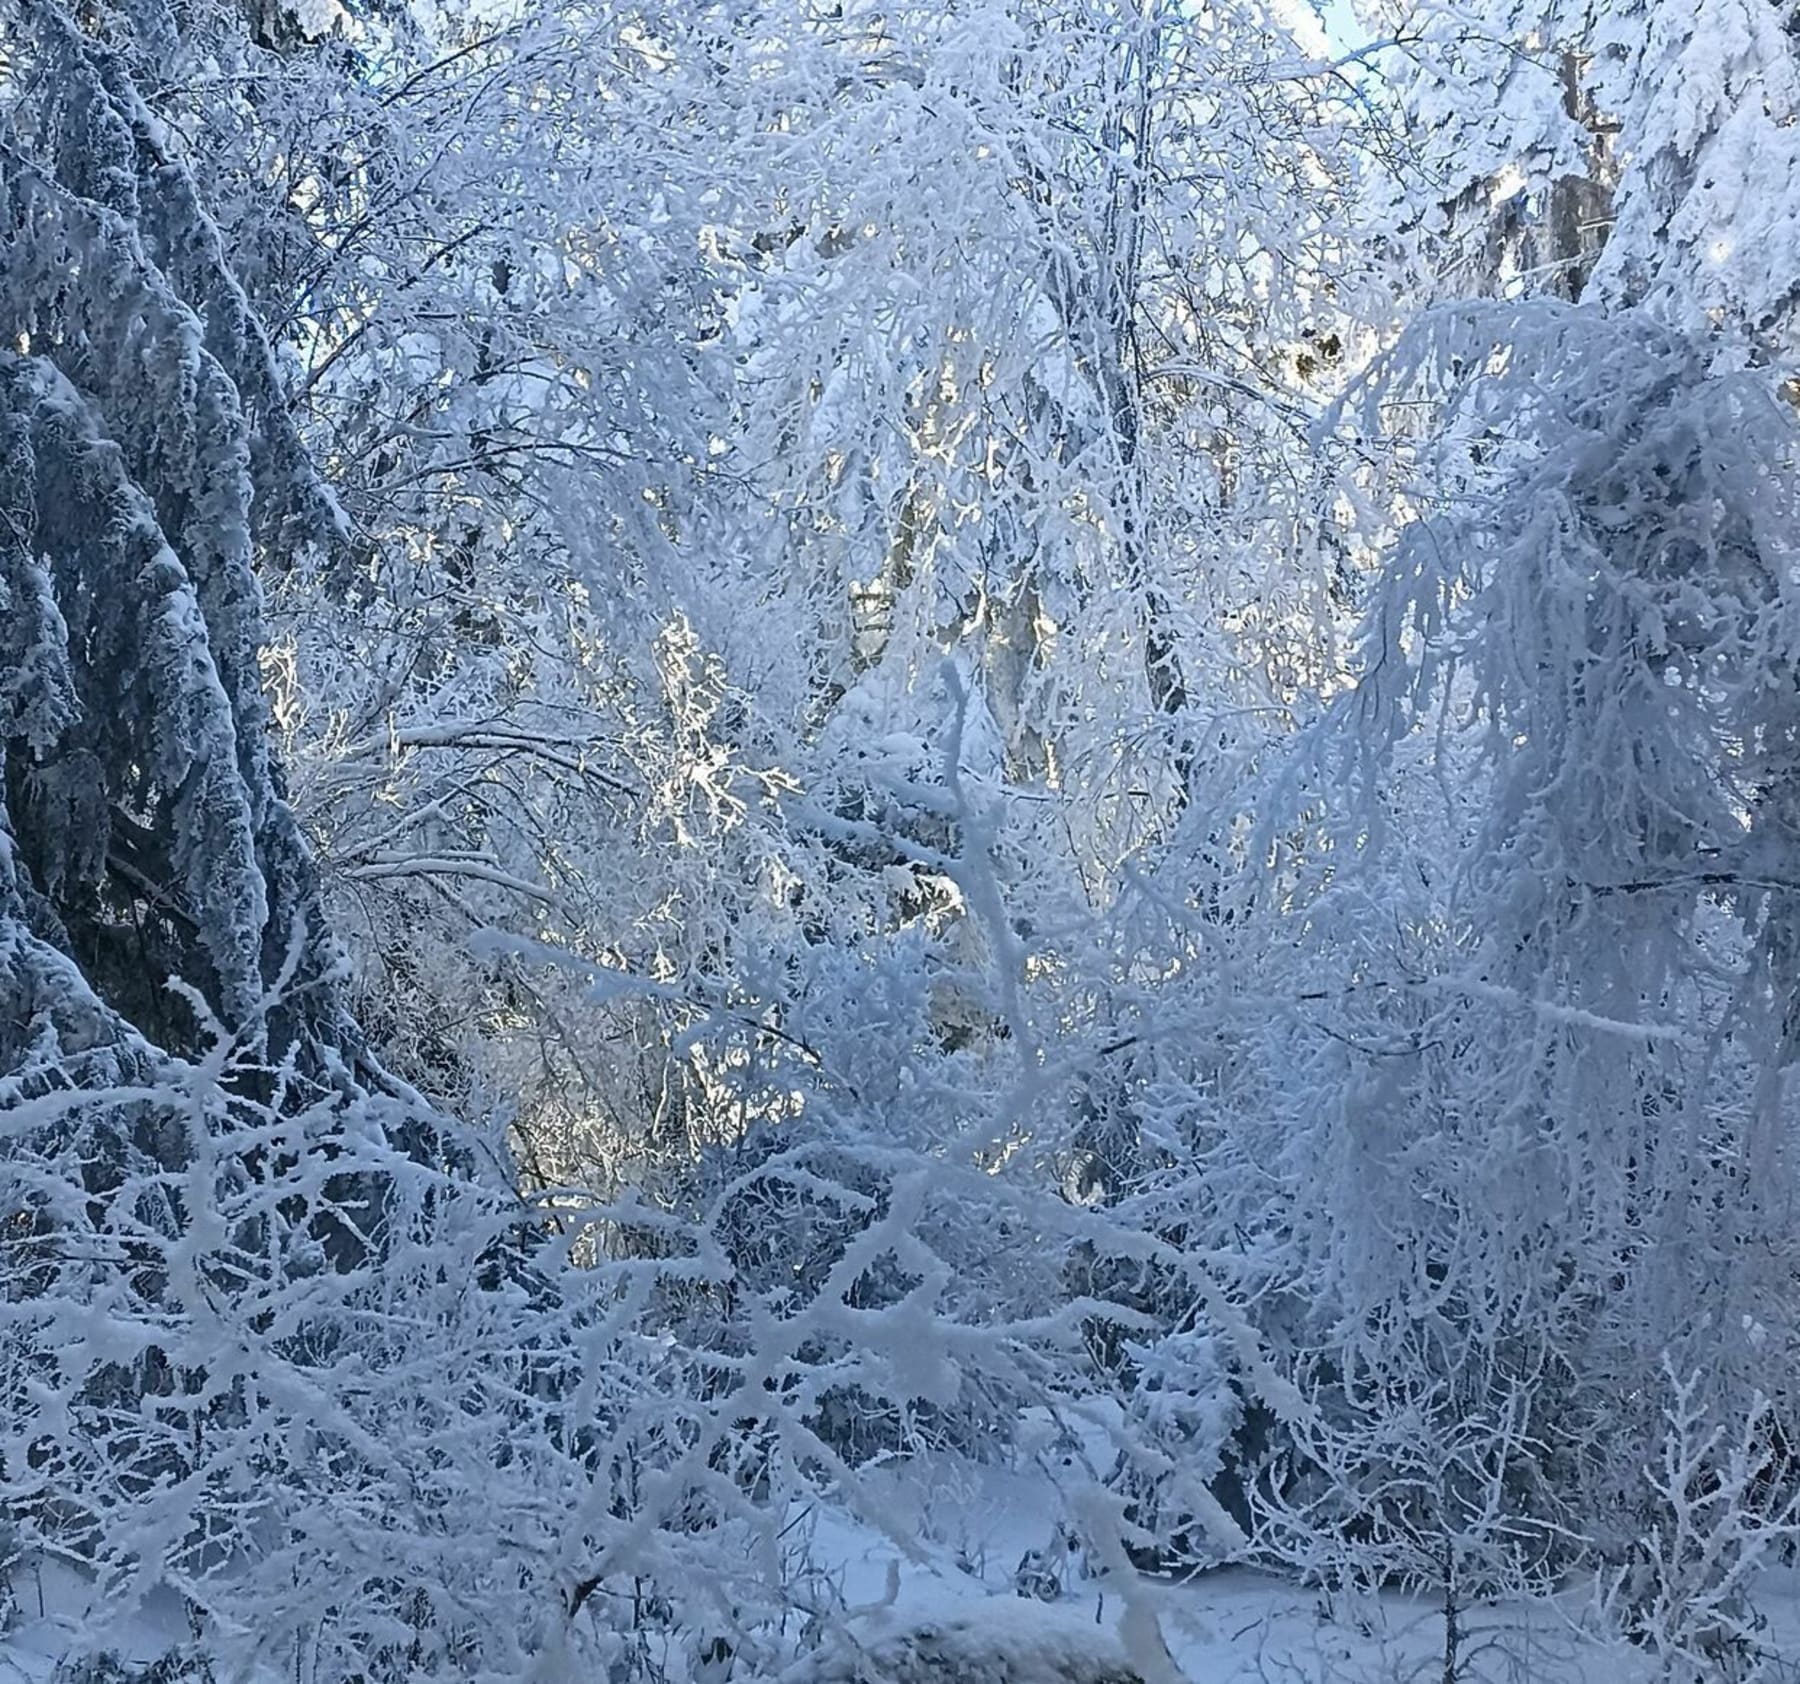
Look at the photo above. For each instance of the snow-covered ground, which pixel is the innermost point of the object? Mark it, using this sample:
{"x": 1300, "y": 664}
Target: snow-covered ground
{"x": 1222, "y": 1627}
{"x": 947, "y": 1597}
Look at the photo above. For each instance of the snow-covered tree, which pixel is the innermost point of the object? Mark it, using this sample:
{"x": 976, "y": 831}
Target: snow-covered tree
{"x": 150, "y": 464}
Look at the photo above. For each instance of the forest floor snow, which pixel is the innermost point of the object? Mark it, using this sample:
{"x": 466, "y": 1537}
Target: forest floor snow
{"x": 1230, "y": 1625}
{"x": 947, "y": 1600}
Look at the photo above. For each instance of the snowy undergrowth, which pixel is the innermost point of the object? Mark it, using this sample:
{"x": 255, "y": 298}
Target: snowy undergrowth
{"x": 933, "y": 1594}
{"x": 1220, "y": 1627}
